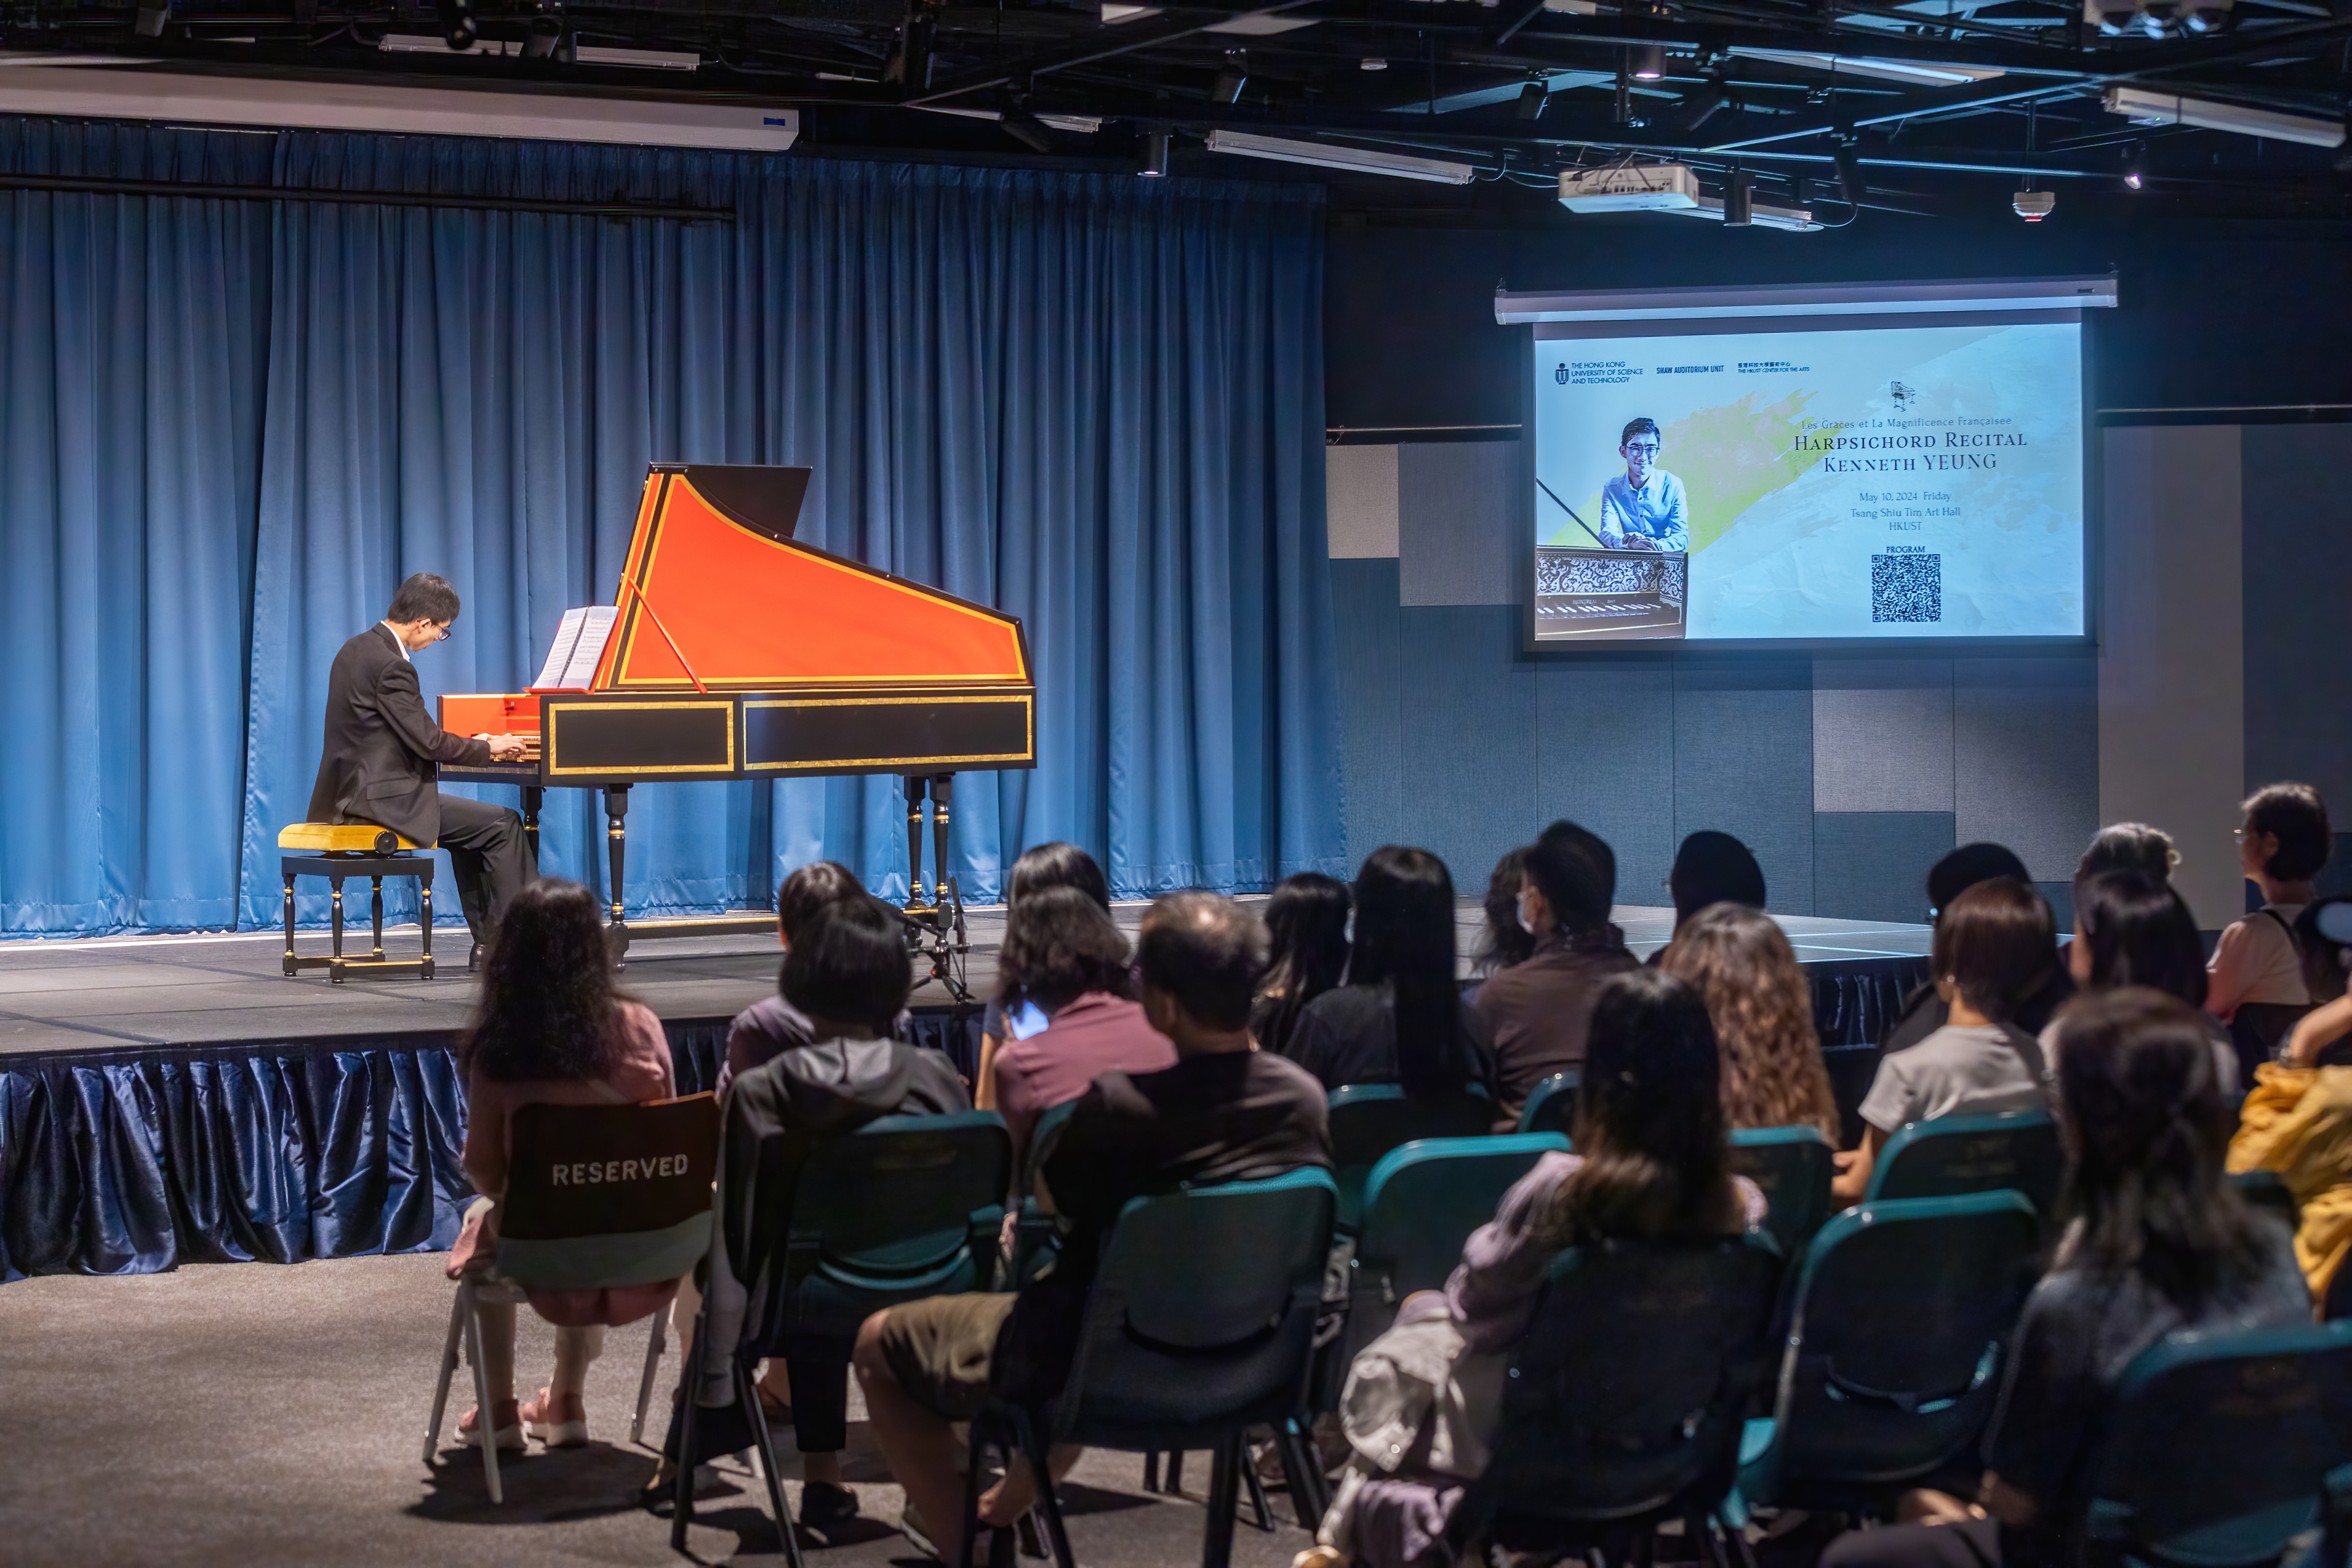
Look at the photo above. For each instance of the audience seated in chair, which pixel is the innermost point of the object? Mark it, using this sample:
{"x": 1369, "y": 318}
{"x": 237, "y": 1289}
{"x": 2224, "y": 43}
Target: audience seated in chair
{"x": 1062, "y": 980}
{"x": 2129, "y": 846}
{"x": 2257, "y": 986}
{"x": 1307, "y": 930}
{"x": 2133, "y": 928}
{"x": 1504, "y": 938}
{"x": 1994, "y": 948}
{"x": 2157, "y": 1241}
{"x": 1054, "y": 864}
{"x": 1536, "y": 1012}
{"x": 1651, "y": 1163}
{"x": 1223, "y": 1112}
{"x": 1762, "y": 1010}
{"x": 1924, "y": 1011}
{"x": 773, "y": 1025}
{"x": 845, "y": 977}
{"x": 1709, "y": 868}
{"x": 549, "y": 1030}
{"x": 2297, "y": 1120}
{"x": 1400, "y": 1018}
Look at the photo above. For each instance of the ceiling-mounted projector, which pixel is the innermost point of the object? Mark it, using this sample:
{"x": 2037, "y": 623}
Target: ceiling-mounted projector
{"x": 1629, "y": 188}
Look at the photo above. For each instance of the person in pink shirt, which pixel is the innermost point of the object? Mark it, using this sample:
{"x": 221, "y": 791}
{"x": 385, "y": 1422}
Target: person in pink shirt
{"x": 1069, "y": 1011}
{"x": 550, "y": 1029}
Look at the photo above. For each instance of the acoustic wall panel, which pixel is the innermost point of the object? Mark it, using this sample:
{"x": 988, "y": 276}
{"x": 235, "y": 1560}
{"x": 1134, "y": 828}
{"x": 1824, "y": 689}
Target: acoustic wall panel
{"x": 2025, "y": 757}
{"x": 1466, "y": 737}
{"x": 1605, "y": 758}
{"x": 1872, "y": 865}
{"x": 1359, "y": 489}
{"x": 2173, "y": 677}
{"x": 1459, "y": 529}
{"x": 1744, "y": 765}
{"x": 1883, "y": 736}
{"x": 1364, "y": 608}
{"x": 2298, "y": 516}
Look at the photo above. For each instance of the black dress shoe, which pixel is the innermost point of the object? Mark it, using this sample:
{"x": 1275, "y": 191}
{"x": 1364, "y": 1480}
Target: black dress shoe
{"x": 823, "y": 1505}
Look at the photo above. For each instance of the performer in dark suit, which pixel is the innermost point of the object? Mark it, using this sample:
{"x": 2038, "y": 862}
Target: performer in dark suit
{"x": 383, "y": 747}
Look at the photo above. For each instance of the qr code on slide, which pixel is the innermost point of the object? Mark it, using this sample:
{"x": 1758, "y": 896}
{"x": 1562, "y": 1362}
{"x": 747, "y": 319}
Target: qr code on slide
{"x": 1906, "y": 588}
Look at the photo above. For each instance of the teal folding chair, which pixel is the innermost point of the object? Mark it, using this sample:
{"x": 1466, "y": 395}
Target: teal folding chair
{"x": 2268, "y": 1190}
{"x": 903, "y": 1208}
{"x": 1035, "y": 1239}
{"x": 2223, "y": 1449}
{"x": 1793, "y": 1166}
{"x": 2017, "y": 1150}
{"x": 1624, "y": 1402}
{"x": 1367, "y": 1120}
{"x": 1896, "y": 1318}
{"x": 1552, "y": 1104}
{"x": 1173, "y": 1354}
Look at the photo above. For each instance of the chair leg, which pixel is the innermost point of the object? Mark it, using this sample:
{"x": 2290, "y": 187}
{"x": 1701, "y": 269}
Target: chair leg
{"x": 1151, "y": 1470}
{"x": 681, "y": 1513}
{"x": 485, "y": 1418}
{"x": 975, "y": 1453}
{"x": 1737, "y": 1536}
{"x": 1309, "y": 1499}
{"x": 747, "y": 1391}
{"x": 1049, "y": 1498}
{"x": 1225, "y": 1461}
{"x": 652, "y": 1367}
{"x": 1175, "y": 1472}
{"x": 1264, "y": 1510}
{"x": 441, "y": 1387}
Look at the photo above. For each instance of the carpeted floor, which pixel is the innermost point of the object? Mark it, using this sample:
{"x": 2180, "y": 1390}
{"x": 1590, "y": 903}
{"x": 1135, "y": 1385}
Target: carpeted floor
{"x": 252, "y": 1414}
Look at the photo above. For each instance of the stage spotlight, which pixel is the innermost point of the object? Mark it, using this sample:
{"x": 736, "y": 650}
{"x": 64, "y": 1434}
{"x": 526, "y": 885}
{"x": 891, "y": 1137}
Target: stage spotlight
{"x": 458, "y": 22}
{"x": 1231, "y": 80}
{"x": 1739, "y": 199}
{"x": 1027, "y": 128}
{"x": 1372, "y": 63}
{"x": 1155, "y": 155}
{"x": 1648, "y": 61}
{"x": 1532, "y": 99}
{"x": 546, "y": 31}
{"x": 2136, "y": 169}
{"x": 2032, "y": 205}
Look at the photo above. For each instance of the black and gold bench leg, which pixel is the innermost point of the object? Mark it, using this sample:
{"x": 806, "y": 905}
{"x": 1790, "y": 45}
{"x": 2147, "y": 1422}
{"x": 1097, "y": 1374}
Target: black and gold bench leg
{"x": 425, "y": 919}
{"x": 335, "y": 917}
{"x": 376, "y": 915}
{"x": 291, "y": 966}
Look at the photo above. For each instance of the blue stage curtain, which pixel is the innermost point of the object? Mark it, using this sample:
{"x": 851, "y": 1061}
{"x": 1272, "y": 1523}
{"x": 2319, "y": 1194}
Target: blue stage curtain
{"x": 232, "y": 427}
{"x": 132, "y": 338}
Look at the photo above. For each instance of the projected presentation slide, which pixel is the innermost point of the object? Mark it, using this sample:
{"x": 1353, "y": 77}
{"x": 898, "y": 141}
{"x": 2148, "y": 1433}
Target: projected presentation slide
{"x": 1810, "y": 479}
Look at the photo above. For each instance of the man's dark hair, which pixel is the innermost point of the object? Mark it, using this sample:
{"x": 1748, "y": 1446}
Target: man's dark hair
{"x": 1639, "y": 428}
{"x": 1714, "y": 867}
{"x": 1059, "y": 944}
{"x": 1576, "y": 872}
{"x": 809, "y": 888}
{"x": 1996, "y": 942}
{"x": 1206, "y": 951}
{"x": 1965, "y": 867}
{"x": 1055, "y": 865}
{"x": 2295, "y": 815}
{"x": 848, "y": 963}
{"x": 423, "y": 598}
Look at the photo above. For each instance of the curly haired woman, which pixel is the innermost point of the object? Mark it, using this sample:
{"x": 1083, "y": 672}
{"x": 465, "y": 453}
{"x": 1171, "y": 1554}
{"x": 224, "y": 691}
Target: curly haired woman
{"x": 1763, "y": 1015}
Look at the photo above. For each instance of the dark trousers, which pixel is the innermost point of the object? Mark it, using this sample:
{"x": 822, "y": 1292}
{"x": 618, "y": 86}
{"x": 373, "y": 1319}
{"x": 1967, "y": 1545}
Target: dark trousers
{"x": 820, "y": 1415}
{"x": 489, "y": 856}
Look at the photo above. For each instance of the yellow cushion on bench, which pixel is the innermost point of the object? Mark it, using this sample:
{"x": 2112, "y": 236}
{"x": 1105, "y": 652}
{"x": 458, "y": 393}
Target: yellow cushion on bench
{"x": 343, "y": 838}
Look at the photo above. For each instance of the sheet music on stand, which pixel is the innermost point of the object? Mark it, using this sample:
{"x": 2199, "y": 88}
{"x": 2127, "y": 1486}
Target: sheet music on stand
{"x": 580, "y": 639}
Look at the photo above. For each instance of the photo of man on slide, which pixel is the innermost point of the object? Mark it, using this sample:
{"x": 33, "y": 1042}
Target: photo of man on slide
{"x": 1643, "y": 508}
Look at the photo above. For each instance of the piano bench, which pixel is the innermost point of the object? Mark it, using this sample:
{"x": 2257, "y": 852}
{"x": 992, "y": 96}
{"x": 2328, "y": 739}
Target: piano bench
{"x": 340, "y": 851}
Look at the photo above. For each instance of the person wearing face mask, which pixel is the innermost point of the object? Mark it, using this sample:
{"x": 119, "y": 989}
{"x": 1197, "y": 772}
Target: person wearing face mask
{"x": 1539, "y": 1011}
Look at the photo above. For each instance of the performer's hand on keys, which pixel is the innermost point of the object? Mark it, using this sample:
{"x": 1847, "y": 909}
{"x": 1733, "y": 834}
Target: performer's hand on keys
{"x": 503, "y": 746}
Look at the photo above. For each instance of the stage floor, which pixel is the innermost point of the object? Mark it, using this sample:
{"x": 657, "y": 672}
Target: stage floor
{"x": 93, "y": 995}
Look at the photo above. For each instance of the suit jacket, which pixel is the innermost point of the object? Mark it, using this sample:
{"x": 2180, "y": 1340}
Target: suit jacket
{"x": 383, "y": 747}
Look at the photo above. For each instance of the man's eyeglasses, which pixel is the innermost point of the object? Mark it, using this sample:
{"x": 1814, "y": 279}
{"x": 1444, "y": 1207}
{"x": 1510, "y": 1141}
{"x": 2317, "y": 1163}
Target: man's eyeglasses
{"x": 1650, "y": 447}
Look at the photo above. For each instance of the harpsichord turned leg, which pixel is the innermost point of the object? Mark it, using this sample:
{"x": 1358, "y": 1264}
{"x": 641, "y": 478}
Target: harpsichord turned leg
{"x": 616, "y": 811}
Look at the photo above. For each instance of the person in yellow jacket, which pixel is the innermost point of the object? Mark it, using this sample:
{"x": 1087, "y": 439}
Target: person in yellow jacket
{"x": 2297, "y": 1120}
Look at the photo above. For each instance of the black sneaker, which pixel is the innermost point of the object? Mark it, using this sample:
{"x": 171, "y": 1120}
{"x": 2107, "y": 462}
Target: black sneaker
{"x": 824, "y": 1505}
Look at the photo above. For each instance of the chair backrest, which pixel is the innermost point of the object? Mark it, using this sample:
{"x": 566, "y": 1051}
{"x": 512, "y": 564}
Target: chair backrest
{"x": 1630, "y": 1390}
{"x": 2217, "y": 1449}
{"x": 1552, "y": 1104}
{"x": 1201, "y": 1315}
{"x": 2268, "y": 1190}
{"x": 2017, "y": 1150}
{"x": 1367, "y": 1120}
{"x": 1898, "y": 1314}
{"x": 1792, "y": 1165}
{"x": 1420, "y": 1204}
{"x": 605, "y": 1196}
{"x": 904, "y": 1208}
{"x": 1042, "y": 1137}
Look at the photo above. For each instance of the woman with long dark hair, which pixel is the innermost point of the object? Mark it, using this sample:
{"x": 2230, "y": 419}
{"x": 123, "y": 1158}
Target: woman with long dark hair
{"x": 1054, "y": 864}
{"x": 1400, "y": 1019}
{"x": 1652, "y": 1162}
{"x": 1307, "y": 932}
{"x": 2155, "y": 1241}
{"x": 1773, "y": 1075}
{"x": 549, "y": 1030}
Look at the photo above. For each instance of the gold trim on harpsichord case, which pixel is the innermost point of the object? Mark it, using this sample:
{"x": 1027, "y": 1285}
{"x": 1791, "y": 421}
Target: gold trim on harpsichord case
{"x": 555, "y": 711}
{"x": 1028, "y": 700}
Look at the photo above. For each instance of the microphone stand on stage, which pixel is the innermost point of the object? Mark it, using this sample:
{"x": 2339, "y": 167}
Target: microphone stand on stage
{"x": 939, "y": 934}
